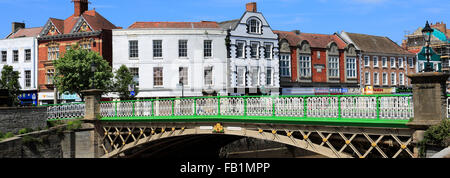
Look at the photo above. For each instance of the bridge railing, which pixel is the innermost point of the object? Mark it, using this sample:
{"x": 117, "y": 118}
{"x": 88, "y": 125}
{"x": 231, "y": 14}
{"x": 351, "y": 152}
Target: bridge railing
{"x": 350, "y": 107}
{"x": 65, "y": 111}
{"x": 339, "y": 107}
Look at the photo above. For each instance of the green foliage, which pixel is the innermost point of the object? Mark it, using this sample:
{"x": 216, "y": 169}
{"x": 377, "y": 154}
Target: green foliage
{"x": 74, "y": 124}
{"x": 73, "y": 72}
{"x": 5, "y": 136}
{"x": 438, "y": 135}
{"x": 122, "y": 80}
{"x": 25, "y": 130}
{"x": 10, "y": 80}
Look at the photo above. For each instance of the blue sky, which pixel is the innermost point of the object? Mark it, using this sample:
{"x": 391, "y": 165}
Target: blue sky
{"x": 389, "y": 18}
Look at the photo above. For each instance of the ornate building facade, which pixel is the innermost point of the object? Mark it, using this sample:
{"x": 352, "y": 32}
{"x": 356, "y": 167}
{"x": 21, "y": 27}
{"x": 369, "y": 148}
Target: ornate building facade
{"x": 253, "y": 61}
{"x": 86, "y": 28}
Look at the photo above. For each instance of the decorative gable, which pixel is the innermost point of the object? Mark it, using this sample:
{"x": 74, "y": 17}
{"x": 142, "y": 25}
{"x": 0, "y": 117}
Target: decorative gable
{"x": 50, "y": 29}
{"x": 81, "y": 26}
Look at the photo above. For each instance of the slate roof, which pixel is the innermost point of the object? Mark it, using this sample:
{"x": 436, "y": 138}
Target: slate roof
{"x": 376, "y": 44}
{"x": 192, "y": 25}
{"x": 26, "y": 32}
{"x": 315, "y": 40}
{"x": 231, "y": 24}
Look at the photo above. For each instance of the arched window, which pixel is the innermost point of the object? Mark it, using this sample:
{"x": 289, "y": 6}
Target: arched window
{"x": 254, "y": 26}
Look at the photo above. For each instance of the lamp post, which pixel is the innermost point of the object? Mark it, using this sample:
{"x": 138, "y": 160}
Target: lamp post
{"x": 182, "y": 87}
{"x": 93, "y": 69}
{"x": 427, "y": 31}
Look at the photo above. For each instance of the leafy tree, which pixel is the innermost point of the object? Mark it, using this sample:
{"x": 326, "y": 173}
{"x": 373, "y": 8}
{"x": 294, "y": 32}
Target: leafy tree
{"x": 73, "y": 72}
{"x": 122, "y": 80}
{"x": 10, "y": 81}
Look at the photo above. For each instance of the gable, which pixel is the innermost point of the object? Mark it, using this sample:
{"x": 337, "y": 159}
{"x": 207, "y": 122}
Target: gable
{"x": 81, "y": 26}
{"x": 50, "y": 29}
{"x": 241, "y": 29}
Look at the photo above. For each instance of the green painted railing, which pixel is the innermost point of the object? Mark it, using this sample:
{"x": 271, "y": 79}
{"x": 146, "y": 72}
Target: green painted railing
{"x": 371, "y": 110}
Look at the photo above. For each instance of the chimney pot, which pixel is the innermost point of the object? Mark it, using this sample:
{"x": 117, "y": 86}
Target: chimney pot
{"x": 80, "y": 6}
{"x": 251, "y": 7}
{"x": 16, "y": 26}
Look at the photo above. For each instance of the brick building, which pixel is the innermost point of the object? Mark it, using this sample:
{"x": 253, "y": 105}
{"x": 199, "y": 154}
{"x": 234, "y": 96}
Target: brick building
{"x": 86, "y": 28}
{"x": 317, "y": 64}
{"x": 384, "y": 64}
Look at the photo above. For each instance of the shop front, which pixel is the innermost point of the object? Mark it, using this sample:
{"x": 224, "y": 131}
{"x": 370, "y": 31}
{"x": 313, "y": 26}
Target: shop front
{"x": 28, "y": 98}
{"x": 321, "y": 91}
{"x": 46, "y": 98}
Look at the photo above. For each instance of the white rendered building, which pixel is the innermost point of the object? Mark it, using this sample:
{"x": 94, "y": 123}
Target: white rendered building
{"x": 173, "y": 59}
{"x": 253, "y": 54}
{"x": 19, "y": 50}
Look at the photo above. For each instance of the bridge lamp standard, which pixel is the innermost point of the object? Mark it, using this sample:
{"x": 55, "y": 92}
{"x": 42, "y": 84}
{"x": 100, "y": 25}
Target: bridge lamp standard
{"x": 93, "y": 69}
{"x": 427, "y": 31}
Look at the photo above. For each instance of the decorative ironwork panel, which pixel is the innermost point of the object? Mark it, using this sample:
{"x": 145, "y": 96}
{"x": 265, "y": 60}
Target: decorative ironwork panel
{"x": 232, "y": 106}
{"x": 65, "y": 111}
{"x": 163, "y": 107}
{"x": 323, "y": 107}
{"x": 259, "y": 106}
{"x": 289, "y": 107}
{"x": 359, "y": 107}
{"x": 184, "y": 107}
{"x": 396, "y": 107}
{"x": 143, "y": 108}
{"x": 207, "y": 106}
{"x": 108, "y": 109}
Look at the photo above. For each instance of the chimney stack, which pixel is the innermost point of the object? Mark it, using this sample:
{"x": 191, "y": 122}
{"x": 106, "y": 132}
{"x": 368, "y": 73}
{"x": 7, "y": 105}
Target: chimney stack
{"x": 16, "y": 26}
{"x": 80, "y": 6}
{"x": 251, "y": 7}
{"x": 297, "y": 32}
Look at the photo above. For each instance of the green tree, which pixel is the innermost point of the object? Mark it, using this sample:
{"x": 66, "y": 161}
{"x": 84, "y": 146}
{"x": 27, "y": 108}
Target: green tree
{"x": 10, "y": 81}
{"x": 73, "y": 72}
{"x": 122, "y": 80}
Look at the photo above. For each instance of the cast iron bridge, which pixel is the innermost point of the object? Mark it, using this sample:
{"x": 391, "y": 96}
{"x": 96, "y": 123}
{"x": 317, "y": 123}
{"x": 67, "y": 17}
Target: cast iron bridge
{"x": 333, "y": 125}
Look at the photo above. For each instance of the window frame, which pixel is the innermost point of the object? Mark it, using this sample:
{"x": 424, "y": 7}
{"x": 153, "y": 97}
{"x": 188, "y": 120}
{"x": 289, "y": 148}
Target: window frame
{"x": 183, "y": 48}
{"x": 257, "y": 26}
{"x": 157, "y": 49}
{"x": 205, "y": 49}
{"x": 4, "y": 56}
{"x": 351, "y": 69}
{"x": 253, "y": 50}
{"x": 159, "y": 77}
{"x": 270, "y": 45}
{"x": 133, "y": 49}
{"x": 183, "y": 72}
{"x": 206, "y": 76}
{"x": 27, "y": 55}
{"x": 242, "y": 49}
{"x": 269, "y": 76}
{"x": 305, "y": 70}
{"x": 285, "y": 59}
{"x": 27, "y": 80}
{"x": 333, "y": 66}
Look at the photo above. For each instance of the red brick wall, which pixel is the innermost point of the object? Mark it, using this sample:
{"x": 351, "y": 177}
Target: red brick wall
{"x": 322, "y": 76}
{"x": 102, "y": 45}
{"x": 294, "y": 64}
{"x": 380, "y": 70}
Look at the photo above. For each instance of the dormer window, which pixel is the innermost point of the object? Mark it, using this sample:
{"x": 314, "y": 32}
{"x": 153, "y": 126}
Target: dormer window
{"x": 254, "y": 26}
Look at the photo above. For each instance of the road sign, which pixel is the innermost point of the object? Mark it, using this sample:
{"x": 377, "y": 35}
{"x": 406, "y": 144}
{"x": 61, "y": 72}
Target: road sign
{"x": 132, "y": 93}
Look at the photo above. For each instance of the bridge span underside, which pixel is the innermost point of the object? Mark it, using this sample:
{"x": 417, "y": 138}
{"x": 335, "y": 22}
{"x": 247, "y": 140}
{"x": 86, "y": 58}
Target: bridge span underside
{"x": 162, "y": 139}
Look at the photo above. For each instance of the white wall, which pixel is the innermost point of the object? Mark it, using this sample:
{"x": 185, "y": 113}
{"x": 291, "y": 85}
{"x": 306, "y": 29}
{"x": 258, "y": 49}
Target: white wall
{"x": 240, "y": 34}
{"x": 21, "y": 44}
{"x": 170, "y": 60}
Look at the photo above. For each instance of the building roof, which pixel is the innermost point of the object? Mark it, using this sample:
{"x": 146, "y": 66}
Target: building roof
{"x": 192, "y": 25}
{"x": 95, "y": 21}
{"x": 230, "y": 24}
{"x": 315, "y": 40}
{"x": 376, "y": 44}
{"x": 26, "y": 32}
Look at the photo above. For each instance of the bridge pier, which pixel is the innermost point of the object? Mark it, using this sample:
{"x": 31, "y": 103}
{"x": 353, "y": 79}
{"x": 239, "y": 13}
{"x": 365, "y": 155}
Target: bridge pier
{"x": 430, "y": 103}
{"x": 92, "y": 116}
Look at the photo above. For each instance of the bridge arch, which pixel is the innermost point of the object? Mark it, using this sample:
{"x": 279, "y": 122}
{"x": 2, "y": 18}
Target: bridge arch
{"x": 113, "y": 136}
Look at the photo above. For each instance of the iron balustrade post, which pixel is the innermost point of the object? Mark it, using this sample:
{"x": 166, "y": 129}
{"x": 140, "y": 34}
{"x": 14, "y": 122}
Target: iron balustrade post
{"x": 115, "y": 109}
{"x": 305, "y": 107}
{"x": 245, "y": 106}
{"x": 133, "y": 108}
{"x": 339, "y": 108}
{"x": 273, "y": 106}
{"x": 195, "y": 106}
{"x": 218, "y": 105}
{"x": 378, "y": 107}
{"x": 153, "y": 108}
{"x": 173, "y": 107}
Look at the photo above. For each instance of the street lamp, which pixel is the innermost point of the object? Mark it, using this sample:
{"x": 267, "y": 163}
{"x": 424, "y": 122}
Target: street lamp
{"x": 182, "y": 87}
{"x": 427, "y": 31}
{"x": 93, "y": 69}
